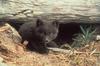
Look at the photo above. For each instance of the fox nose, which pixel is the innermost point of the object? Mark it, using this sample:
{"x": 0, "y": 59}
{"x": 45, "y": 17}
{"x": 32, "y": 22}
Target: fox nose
{"x": 47, "y": 40}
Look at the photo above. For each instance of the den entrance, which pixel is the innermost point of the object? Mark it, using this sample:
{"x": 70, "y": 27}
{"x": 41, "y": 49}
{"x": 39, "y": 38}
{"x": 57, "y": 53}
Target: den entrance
{"x": 69, "y": 31}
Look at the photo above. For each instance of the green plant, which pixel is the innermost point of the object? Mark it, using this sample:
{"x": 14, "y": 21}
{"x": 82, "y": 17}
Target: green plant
{"x": 85, "y": 37}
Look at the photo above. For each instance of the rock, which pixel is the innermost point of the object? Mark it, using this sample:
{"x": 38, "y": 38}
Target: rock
{"x": 10, "y": 42}
{"x": 12, "y": 33}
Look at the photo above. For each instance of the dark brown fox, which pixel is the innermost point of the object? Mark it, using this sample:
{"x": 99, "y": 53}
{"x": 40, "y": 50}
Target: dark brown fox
{"x": 39, "y": 34}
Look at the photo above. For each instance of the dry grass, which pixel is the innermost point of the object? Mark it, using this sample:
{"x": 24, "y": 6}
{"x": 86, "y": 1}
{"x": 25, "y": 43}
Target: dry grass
{"x": 89, "y": 56}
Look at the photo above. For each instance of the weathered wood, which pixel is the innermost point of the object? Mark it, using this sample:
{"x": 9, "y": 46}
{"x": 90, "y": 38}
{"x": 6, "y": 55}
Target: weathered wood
{"x": 66, "y": 11}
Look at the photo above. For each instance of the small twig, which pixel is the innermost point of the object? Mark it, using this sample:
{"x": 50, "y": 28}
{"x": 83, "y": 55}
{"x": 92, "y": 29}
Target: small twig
{"x": 70, "y": 51}
{"x": 93, "y": 52}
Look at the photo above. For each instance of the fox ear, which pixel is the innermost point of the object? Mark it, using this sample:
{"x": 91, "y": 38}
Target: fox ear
{"x": 55, "y": 23}
{"x": 39, "y": 22}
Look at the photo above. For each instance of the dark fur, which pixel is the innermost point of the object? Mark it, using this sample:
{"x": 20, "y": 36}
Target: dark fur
{"x": 39, "y": 34}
